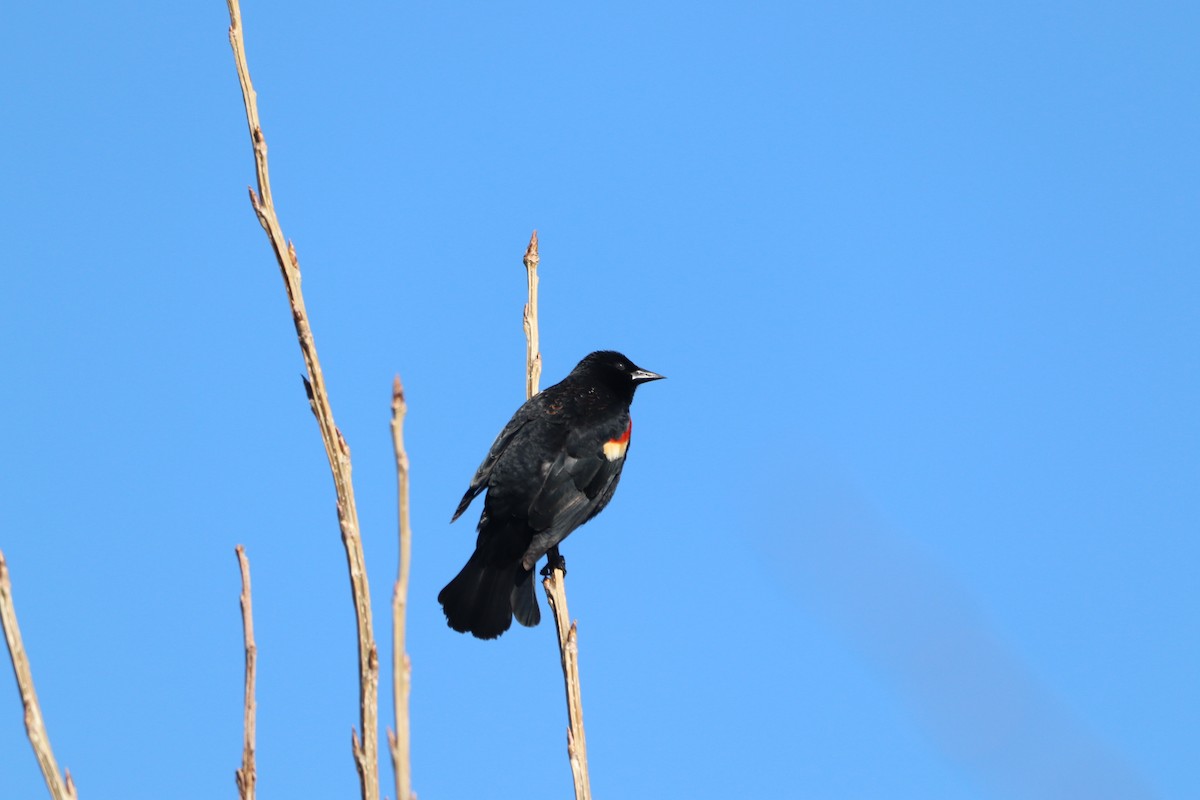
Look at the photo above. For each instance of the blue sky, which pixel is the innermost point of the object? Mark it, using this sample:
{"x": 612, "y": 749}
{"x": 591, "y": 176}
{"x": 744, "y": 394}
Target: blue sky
{"x": 914, "y": 516}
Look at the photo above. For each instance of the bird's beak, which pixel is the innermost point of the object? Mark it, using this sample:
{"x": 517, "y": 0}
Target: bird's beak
{"x": 645, "y": 376}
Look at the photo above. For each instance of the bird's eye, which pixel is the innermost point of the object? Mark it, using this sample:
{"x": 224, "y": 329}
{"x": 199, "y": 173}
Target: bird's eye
{"x": 621, "y": 365}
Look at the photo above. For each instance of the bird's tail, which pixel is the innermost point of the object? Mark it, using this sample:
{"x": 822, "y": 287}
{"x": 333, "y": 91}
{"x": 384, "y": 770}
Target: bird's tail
{"x": 524, "y": 598}
{"x": 483, "y": 597}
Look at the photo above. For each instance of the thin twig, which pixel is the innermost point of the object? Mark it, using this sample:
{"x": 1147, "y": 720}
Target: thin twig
{"x": 247, "y": 776}
{"x": 555, "y": 583}
{"x": 61, "y": 788}
{"x": 533, "y": 353}
{"x": 398, "y": 738}
{"x": 366, "y": 752}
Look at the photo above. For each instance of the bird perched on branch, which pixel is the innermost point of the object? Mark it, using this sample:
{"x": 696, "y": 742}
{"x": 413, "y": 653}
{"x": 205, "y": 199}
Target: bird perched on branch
{"x": 554, "y": 466}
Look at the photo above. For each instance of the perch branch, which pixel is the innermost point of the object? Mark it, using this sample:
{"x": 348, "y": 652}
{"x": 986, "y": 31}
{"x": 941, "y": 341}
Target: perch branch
{"x": 247, "y": 776}
{"x": 366, "y": 752}
{"x": 398, "y": 738}
{"x": 61, "y": 788}
{"x": 533, "y": 354}
{"x": 568, "y": 650}
{"x": 555, "y": 584}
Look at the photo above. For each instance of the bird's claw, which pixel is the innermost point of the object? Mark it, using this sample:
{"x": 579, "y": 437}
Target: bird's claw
{"x": 554, "y": 561}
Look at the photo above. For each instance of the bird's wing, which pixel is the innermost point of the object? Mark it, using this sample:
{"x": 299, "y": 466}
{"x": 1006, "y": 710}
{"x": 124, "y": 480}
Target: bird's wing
{"x": 578, "y": 484}
{"x": 522, "y": 418}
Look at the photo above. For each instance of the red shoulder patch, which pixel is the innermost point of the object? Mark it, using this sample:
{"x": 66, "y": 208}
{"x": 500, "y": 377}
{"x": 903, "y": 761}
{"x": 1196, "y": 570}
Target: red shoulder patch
{"x": 615, "y": 448}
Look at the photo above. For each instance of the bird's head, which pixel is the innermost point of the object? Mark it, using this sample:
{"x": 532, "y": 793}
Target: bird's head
{"x": 615, "y": 371}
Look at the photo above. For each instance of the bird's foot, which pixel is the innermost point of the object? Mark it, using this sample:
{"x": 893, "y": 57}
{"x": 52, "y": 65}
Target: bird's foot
{"x": 554, "y": 560}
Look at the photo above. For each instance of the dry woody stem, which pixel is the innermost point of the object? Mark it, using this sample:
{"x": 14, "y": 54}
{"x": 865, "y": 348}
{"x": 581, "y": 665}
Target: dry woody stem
{"x": 555, "y": 584}
{"x": 60, "y": 785}
{"x": 533, "y": 354}
{"x": 366, "y": 752}
{"x": 247, "y": 775}
{"x": 398, "y": 739}
{"x": 568, "y": 651}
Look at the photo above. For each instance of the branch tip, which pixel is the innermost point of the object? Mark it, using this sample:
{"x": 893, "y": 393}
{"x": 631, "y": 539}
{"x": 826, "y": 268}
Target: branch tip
{"x": 246, "y": 775}
{"x": 399, "y": 737}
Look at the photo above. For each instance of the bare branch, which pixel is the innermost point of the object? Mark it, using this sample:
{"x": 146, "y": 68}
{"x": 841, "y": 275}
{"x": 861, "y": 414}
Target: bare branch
{"x": 247, "y": 776}
{"x": 61, "y": 787}
{"x": 533, "y": 354}
{"x": 555, "y": 584}
{"x": 568, "y": 650}
{"x": 366, "y": 753}
{"x": 401, "y": 665}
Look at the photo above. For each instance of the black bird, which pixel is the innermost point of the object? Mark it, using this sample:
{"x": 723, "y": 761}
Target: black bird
{"x": 554, "y": 466}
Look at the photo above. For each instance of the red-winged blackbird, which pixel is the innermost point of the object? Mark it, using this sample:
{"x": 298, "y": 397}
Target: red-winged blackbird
{"x": 554, "y": 466}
